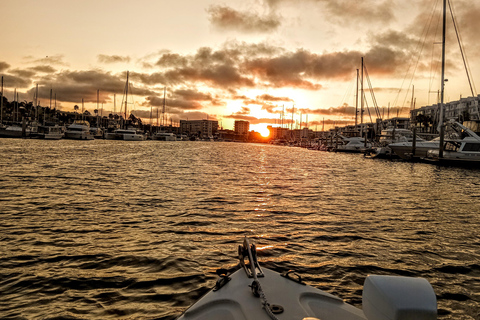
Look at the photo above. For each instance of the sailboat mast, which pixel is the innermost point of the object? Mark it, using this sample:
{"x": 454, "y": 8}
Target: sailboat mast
{"x": 442, "y": 129}
{"x": 361, "y": 102}
{"x": 98, "y": 96}
{"x": 164, "y": 102}
{"x": 36, "y": 102}
{"x": 1, "y": 105}
{"x": 293, "y": 111}
{"x": 356, "y": 104}
{"x": 15, "y": 104}
{"x": 126, "y": 99}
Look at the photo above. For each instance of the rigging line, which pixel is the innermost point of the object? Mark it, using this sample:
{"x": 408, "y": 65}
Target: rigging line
{"x": 374, "y": 100}
{"x": 347, "y": 93}
{"x": 460, "y": 44}
{"x": 434, "y": 67}
{"x": 368, "y": 108}
{"x": 419, "y": 44}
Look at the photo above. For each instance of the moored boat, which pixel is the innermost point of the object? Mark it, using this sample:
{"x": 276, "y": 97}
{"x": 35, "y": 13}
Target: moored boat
{"x": 14, "y": 131}
{"x": 387, "y": 137}
{"x": 461, "y": 148}
{"x": 404, "y": 149}
{"x": 79, "y": 130}
{"x": 353, "y": 145}
{"x": 164, "y": 136}
{"x": 49, "y": 132}
{"x": 258, "y": 293}
{"x": 129, "y": 135}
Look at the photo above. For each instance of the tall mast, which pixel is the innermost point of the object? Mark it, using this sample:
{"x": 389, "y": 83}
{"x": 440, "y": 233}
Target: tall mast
{"x": 98, "y": 95}
{"x": 293, "y": 110}
{"x": 14, "y": 104}
{"x": 17, "y": 107}
{"x": 361, "y": 102}
{"x": 126, "y": 99}
{"x": 356, "y": 104}
{"x": 442, "y": 129}
{"x": 36, "y": 102}
{"x": 1, "y": 105}
{"x": 164, "y": 102}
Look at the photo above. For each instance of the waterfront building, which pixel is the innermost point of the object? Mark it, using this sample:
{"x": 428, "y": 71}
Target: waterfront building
{"x": 463, "y": 110}
{"x": 199, "y": 128}
{"x": 241, "y": 126}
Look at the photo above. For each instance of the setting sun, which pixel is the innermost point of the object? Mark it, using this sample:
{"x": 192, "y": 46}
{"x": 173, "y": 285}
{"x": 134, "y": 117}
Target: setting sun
{"x": 264, "y": 132}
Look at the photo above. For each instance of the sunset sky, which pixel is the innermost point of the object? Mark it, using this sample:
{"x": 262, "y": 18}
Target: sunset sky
{"x": 230, "y": 60}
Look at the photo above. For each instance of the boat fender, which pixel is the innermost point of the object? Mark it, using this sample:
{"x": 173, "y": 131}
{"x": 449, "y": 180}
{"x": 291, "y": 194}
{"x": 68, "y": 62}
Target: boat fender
{"x": 297, "y": 280}
{"x": 223, "y": 280}
{"x": 398, "y": 298}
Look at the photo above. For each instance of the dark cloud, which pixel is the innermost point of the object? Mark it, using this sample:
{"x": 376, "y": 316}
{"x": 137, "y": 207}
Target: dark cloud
{"x": 4, "y": 66}
{"x": 47, "y": 60}
{"x": 14, "y": 81}
{"x": 23, "y": 73}
{"x": 268, "y": 97}
{"x": 103, "y": 58}
{"x": 251, "y": 119}
{"x": 174, "y": 105}
{"x": 347, "y": 12}
{"x": 244, "y": 111}
{"x": 226, "y": 18}
{"x": 44, "y": 69}
{"x": 73, "y": 86}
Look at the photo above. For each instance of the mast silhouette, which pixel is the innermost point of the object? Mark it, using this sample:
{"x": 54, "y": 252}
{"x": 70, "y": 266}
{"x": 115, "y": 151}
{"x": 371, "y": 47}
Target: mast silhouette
{"x": 442, "y": 129}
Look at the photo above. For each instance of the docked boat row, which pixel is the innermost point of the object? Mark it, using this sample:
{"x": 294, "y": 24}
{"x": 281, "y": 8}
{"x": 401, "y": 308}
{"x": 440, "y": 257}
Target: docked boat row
{"x": 461, "y": 146}
{"x": 81, "y": 130}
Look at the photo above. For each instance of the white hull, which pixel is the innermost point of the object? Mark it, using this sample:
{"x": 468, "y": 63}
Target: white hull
{"x": 75, "y": 135}
{"x": 286, "y": 297}
{"x": 405, "y": 151}
{"x": 79, "y": 130}
{"x": 164, "y": 137}
{"x": 53, "y": 136}
{"x": 134, "y": 137}
{"x": 14, "y": 132}
{"x": 109, "y": 135}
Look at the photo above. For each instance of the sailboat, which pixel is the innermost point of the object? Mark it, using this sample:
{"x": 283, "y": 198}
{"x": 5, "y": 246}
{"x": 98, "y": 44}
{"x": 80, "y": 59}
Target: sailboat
{"x": 463, "y": 150}
{"x": 127, "y": 133}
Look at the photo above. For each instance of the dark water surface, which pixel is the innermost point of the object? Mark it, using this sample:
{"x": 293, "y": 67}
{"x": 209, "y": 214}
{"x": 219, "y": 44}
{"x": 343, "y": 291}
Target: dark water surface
{"x": 113, "y": 229}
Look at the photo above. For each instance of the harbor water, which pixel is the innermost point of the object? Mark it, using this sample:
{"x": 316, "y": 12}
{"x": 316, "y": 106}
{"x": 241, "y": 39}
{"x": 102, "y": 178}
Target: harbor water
{"x": 135, "y": 230}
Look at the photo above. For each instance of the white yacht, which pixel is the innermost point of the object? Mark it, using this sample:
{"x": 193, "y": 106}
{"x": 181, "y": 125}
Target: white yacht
{"x": 129, "y": 135}
{"x": 164, "y": 136}
{"x": 461, "y": 147}
{"x": 404, "y": 149}
{"x": 14, "y": 131}
{"x": 49, "y": 132}
{"x": 353, "y": 144}
{"x": 79, "y": 130}
{"x": 97, "y": 133}
{"x": 388, "y": 136}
